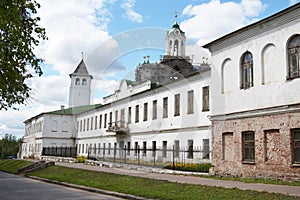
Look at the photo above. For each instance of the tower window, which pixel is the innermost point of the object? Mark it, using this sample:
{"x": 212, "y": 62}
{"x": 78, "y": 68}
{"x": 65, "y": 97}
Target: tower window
{"x": 83, "y": 81}
{"x": 77, "y": 81}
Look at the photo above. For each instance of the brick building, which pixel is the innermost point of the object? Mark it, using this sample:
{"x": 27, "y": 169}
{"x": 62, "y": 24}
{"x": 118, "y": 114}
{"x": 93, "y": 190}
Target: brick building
{"x": 256, "y": 99}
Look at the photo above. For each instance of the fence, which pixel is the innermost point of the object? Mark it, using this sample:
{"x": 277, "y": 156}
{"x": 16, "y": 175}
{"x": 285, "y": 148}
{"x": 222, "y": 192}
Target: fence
{"x": 150, "y": 157}
{"x": 60, "y": 151}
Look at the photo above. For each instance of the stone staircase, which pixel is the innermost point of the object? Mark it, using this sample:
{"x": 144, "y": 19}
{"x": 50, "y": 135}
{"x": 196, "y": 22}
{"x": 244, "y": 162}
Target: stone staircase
{"x": 35, "y": 166}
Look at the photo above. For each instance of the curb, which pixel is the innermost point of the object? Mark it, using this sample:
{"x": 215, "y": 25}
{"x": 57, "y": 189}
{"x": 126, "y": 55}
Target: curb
{"x": 90, "y": 189}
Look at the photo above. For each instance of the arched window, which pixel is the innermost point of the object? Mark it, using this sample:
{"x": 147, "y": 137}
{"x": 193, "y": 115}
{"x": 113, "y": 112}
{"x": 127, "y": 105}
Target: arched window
{"x": 83, "y": 81}
{"x": 247, "y": 71}
{"x": 293, "y": 49}
{"x": 77, "y": 81}
{"x": 175, "y": 52}
{"x": 170, "y": 48}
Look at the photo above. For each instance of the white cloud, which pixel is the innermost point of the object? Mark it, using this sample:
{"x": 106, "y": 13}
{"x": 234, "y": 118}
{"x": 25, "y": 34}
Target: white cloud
{"x": 292, "y": 2}
{"x": 128, "y": 5}
{"x": 72, "y": 26}
{"x": 214, "y": 19}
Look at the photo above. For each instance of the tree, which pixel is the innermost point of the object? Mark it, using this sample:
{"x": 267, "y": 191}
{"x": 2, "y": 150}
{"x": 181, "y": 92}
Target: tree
{"x": 20, "y": 33}
{"x": 9, "y": 145}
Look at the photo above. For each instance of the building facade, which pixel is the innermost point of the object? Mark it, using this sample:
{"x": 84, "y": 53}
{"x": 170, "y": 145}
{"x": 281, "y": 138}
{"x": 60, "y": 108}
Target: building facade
{"x": 151, "y": 117}
{"x": 158, "y": 116}
{"x": 255, "y": 98}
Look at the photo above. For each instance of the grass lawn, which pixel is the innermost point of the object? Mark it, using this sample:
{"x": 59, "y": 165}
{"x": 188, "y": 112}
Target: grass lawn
{"x": 149, "y": 188}
{"x": 12, "y": 166}
{"x": 255, "y": 180}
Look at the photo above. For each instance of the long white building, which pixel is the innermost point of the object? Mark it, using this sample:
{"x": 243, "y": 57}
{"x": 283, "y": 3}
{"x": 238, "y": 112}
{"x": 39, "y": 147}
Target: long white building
{"x": 143, "y": 115}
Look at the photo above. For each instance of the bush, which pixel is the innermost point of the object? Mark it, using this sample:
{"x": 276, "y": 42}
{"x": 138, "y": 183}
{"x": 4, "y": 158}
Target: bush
{"x": 202, "y": 167}
{"x": 81, "y": 159}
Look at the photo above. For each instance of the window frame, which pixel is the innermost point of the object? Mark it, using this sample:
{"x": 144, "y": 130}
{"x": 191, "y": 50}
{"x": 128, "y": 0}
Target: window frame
{"x": 295, "y": 52}
{"x": 205, "y": 99}
{"x": 190, "y": 102}
{"x": 165, "y": 107}
{"x": 248, "y": 144}
{"x": 246, "y": 70}
{"x": 154, "y": 109}
{"x": 145, "y": 118}
{"x": 295, "y": 144}
{"x": 177, "y": 105}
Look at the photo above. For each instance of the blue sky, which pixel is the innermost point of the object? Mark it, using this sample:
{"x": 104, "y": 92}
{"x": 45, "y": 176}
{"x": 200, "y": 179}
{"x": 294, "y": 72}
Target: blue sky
{"x": 114, "y": 35}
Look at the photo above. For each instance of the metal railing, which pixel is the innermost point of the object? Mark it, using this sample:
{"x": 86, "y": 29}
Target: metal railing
{"x": 60, "y": 151}
{"x": 159, "y": 157}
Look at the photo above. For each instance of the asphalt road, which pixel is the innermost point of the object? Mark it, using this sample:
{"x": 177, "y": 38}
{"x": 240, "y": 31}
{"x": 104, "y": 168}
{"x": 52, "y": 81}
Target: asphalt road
{"x": 14, "y": 187}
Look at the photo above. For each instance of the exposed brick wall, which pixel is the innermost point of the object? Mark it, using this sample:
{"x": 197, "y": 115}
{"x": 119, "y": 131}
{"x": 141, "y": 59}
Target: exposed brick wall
{"x": 273, "y": 152}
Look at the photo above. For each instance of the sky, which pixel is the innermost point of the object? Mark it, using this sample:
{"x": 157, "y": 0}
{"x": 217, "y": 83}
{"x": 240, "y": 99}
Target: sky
{"x": 113, "y": 36}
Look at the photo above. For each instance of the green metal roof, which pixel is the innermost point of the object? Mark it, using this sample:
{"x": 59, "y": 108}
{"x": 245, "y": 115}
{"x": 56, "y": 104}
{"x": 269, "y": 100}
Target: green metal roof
{"x": 75, "y": 110}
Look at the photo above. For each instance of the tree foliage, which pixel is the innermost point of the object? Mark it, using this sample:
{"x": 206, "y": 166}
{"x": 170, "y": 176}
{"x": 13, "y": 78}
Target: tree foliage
{"x": 20, "y": 33}
{"x": 9, "y": 145}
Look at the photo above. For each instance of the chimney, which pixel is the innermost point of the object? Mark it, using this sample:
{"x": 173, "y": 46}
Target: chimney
{"x": 62, "y": 107}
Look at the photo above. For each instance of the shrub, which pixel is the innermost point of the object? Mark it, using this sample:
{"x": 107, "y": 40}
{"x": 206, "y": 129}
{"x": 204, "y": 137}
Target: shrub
{"x": 81, "y": 159}
{"x": 192, "y": 167}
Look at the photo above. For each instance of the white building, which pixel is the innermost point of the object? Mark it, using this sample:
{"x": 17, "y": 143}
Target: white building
{"x": 255, "y": 98}
{"x": 138, "y": 115}
{"x": 150, "y": 117}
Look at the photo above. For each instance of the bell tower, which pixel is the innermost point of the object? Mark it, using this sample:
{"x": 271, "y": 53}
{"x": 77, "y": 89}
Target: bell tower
{"x": 80, "y": 89}
{"x": 175, "y": 40}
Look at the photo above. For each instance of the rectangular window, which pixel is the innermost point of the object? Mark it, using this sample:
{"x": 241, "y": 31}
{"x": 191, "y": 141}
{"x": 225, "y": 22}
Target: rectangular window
{"x": 164, "y": 152}
{"x": 92, "y": 121}
{"x": 79, "y": 148}
{"x": 96, "y": 122}
{"x": 190, "y": 149}
{"x": 165, "y": 107}
{"x": 82, "y": 148}
{"x": 80, "y": 125}
{"x": 116, "y": 117}
{"x": 122, "y": 120}
{"x": 129, "y": 115}
{"x": 248, "y": 145}
{"x": 100, "y": 122}
{"x": 176, "y": 148}
{"x": 84, "y": 122}
{"x": 145, "y": 111}
{"x": 88, "y": 124}
{"x": 95, "y": 149}
{"x": 110, "y": 119}
{"x": 77, "y": 127}
{"x": 205, "y": 98}
{"x": 137, "y": 113}
{"x": 154, "y": 109}
{"x": 296, "y": 145}
{"x": 105, "y": 120}
{"x": 190, "y": 102}
{"x": 177, "y": 105}
{"x": 144, "y": 148}
{"x": 205, "y": 149}
{"x": 153, "y": 148}
{"x": 99, "y": 148}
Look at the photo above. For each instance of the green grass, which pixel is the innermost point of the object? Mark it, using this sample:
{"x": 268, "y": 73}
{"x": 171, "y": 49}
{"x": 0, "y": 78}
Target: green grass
{"x": 12, "y": 166}
{"x": 254, "y": 180}
{"x": 148, "y": 188}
